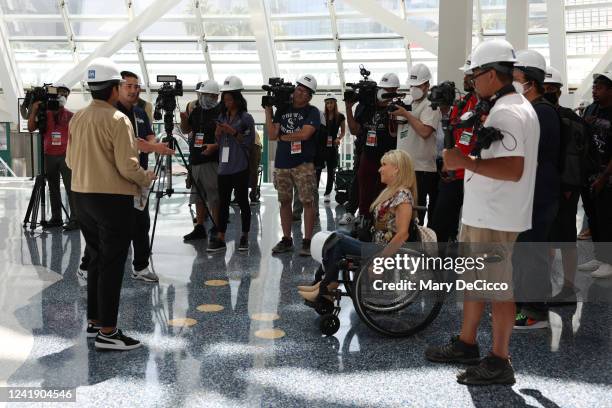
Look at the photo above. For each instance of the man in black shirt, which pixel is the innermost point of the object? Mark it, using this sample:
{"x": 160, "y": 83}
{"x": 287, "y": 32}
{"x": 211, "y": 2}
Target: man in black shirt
{"x": 199, "y": 122}
{"x": 128, "y": 97}
{"x": 599, "y": 116}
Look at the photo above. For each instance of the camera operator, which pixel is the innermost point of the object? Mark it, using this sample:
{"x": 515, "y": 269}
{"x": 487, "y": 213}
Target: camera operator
{"x": 146, "y": 143}
{"x": 377, "y": 135}
{"x": 419, "y": 140}
{"x": 55, "y": 141}
{"x": 199, "y": 121}
{"x": 498, "y": 204}
{"x": 599, "y": 191}
{"x": 106, "y": 177}
{"x": 531, "y": 265}
{"x": 446, "y": 213}
{"x": 235, "y": 133}
{"x": 294, "y": 127}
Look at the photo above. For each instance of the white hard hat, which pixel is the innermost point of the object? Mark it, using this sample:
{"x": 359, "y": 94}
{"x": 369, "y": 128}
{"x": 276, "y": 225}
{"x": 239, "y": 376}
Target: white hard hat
{"x": 308, "y": 81}
{"x": 101, "y": 70}
{"x": 553, "y": 76}
{"x": 232, "y": 83}
{"x": 389, "y": 80}
{"x": 531, "y": 63}
{"x": 607, "y": 74}
{"x": 468, "y": 62}
{"x": 321, "y": 241}
{"x": 59, "y": 85}
{"x": 209, "y": 87}
{"x": 330, "y": 95}
{"x": 489, "y": 53}
{"x": 418, "y": 75}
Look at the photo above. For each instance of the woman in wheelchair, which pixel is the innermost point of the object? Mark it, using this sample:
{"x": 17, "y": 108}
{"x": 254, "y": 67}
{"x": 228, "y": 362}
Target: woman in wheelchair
{"x": 391, "y": 218}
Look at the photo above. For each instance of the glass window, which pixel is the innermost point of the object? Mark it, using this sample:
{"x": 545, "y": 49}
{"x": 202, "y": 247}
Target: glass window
{"x": 360, "y": 26}
{"x": 98, "y": 29}
{"x": 233, "y": 51}
{"x": 167, "y": 29}
{"x": 233, "y": 28}
{"x": 305, "y": 51}
{"x": 182, "y": 7}
{"x": 325, "y": 73}
{"x": 224, "y": 7}
{"x": 93, "y": 7}
{"x": 127, "y": 53}
{"x": 377, "y": 70}
{"x": 373, "y": 49}
{"x": 301, "y": 28}
{"x": 250, "y": 74}
{"x": 296, "y": 6}
{"x": 190, "y": 74}
{"x": 29, "y": 6}
{"x": 42, "y": 28}
{"x": 43, "y": 71}
{"x": 172, "y": 52}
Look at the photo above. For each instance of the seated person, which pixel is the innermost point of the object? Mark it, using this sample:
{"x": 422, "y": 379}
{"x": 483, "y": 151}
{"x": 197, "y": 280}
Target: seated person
{"x": 391, "y": 214}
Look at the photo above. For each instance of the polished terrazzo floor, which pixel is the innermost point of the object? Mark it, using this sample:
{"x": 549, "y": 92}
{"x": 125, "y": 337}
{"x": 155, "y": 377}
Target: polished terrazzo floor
{"x": 229, "y": 330}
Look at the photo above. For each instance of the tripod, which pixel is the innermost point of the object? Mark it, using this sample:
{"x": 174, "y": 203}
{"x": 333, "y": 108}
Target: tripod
{"x": 163, "y": 171}
{"x": 38, "y": 198}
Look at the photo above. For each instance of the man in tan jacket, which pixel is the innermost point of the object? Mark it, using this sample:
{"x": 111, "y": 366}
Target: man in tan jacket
{"x": 106, "y": 176}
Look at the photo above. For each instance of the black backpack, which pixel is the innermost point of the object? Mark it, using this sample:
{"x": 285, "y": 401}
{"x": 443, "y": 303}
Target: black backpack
{"x": 577, "y": 157}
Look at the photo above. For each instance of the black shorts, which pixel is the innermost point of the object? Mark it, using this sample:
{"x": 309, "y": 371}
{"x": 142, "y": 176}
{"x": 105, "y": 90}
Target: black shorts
{"x": 564, "y": 226}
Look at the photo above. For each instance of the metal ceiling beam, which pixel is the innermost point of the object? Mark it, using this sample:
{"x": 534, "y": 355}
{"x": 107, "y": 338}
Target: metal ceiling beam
{"x": 331, "y": 6}
{"x": 129, "y": 4}
{"x": 555, "y": 11}
{"x": 63, "y": 8}
{"x": 404, "y": 15}
{"x": 12, "y": 86}
{"x": 202, "y": 40}
{"x": 260, "y": 24}
{"x": 455, "y": 38}
{"x": 479, "y": 20}
{"x": 126, "y": 34}
{"x": 372, "y": 10}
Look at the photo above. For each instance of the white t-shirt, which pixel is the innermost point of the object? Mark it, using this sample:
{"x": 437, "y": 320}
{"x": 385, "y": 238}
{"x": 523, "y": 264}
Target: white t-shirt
{"x": 505, "y": 205}
{"x": 421, "y": 151}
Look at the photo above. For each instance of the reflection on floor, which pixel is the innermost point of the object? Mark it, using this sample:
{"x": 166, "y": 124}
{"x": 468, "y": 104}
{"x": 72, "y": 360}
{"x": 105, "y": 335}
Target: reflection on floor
{"x": 230, "y": 330}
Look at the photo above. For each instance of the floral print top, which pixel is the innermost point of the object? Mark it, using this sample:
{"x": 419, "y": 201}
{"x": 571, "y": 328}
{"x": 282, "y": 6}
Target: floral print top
{"x": 384, "y": 227}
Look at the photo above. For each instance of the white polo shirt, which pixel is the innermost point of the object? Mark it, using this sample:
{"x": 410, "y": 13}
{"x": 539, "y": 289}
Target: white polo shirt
{"x": 505, "y": 205}
{"x": 422, "y": 151}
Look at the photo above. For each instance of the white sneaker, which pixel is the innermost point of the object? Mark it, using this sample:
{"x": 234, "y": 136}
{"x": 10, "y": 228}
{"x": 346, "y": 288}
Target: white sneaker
{"x": 82, "y": 277}
{"x": 146, "y": 275}
{"x": 326, "y": 198}
{"x": 346, "y": 219}
{"x": 590, "y": 266}
{"x": 604, "y": 271}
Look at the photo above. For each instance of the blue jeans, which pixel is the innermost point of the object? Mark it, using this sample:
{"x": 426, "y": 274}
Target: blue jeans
{"x": 346, "y": 245}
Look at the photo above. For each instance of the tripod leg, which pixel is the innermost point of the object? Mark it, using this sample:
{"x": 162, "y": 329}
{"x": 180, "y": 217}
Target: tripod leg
{"x": 159, "y": 194}
{"x": 30, "y": 204}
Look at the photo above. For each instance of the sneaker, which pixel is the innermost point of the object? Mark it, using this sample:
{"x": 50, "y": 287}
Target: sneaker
{"x": 116, "y": 341}
{"x": 346, "y": 219}
{"x": 71, "y": 226}
{"x": 199, "y": 232}
{"x": 216, "y": 245}
{"x": 523, "y": 322}
{"x": 92, "y": 330}
{"x": 285, "y": 245}
{"x": 146, "y": 275}
{"x": 604, "y": 271}
{"x": 491, "y": 370}
{"x": 326, "y": 198}
{"x": 454, "y": 352}
{"x": 590, "y": 266}
{"x": 53, "y": 223}
{"x": 244, "y": 244}
{"x": 305, "y": 250}
{"x": 584, "y": 235}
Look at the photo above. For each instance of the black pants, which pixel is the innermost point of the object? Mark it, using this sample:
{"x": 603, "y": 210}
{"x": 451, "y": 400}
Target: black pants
{"x": 445, "y": 216}
{"x": 239, "y": 183}
{"x": 54, "y": 167}
{"x": 353, "y": 202}
{"x": 427, "y": 185}
{"x": 331, "y": 163}
{"x": 141, "y": 223}
{"x": 601, "y": 225}
{"x": 103, "y": 219}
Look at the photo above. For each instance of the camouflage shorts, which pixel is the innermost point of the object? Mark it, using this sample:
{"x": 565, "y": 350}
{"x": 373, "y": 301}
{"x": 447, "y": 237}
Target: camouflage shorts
{"x": 302, "y": 176}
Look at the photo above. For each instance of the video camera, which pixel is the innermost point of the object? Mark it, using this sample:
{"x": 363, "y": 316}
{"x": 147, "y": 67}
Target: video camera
{"x": 167, "y": 93}
{"x": 443, "y": 94}
{"x": 278, "y": 93}
{"x": 364, "y": 91}
{"x": 397, "y": 99}
{"x": 49, "y": 100}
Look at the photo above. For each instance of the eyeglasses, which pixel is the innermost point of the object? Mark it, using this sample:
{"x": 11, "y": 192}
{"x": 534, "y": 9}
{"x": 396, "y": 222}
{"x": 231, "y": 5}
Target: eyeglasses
{"x": 473, "y": 79}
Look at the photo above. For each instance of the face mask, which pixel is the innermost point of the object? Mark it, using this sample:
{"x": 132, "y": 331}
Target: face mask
{"x": 207, "y": 101}
{"x": 416, "y": 93}
{"x": 552, "y": 97}
{"x": 520, "y": 88}
{"x": 62, "y": 101}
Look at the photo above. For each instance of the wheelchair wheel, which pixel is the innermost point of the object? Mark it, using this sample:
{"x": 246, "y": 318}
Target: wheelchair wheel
{"x": 341, "y": 197}
{"x": 329, "y": 324}
{"x": 324, "y": 307}
{"x": 395, "y": 313}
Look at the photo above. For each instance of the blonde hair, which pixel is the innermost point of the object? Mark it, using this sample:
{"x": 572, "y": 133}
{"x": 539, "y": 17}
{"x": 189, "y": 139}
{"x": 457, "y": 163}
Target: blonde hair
{"x": 405, "y": 179}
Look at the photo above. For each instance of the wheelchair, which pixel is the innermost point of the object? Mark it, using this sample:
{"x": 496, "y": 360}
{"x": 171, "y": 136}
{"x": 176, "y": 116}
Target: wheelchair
{"x": 393, "y": 313}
